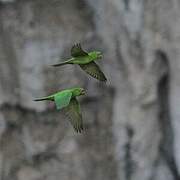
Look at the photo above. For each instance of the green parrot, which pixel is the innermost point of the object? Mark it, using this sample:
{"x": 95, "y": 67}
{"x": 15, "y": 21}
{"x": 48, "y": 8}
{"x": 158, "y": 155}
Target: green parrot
{"x": 85, "y": 61}
{"x": 67, "y": 99}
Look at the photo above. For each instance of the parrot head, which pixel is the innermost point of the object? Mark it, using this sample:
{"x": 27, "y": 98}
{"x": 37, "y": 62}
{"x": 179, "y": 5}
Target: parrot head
{"x": 96, "y": 55}
{"x": 79, "y": 91}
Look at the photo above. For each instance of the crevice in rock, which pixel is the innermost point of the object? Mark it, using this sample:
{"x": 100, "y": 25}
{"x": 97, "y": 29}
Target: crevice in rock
{"x": 9, "y": 70}
{"x": 86, "y": 12}
{"x": 121, "y": 63}
{"x": 128, "y": 169}
{"x": 166, "y": 146}
{"x": 126, "y": 4}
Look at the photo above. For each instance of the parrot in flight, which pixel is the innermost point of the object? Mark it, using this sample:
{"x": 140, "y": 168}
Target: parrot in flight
{"x": 67, "y": 99}
{"x": 86, "y": 61}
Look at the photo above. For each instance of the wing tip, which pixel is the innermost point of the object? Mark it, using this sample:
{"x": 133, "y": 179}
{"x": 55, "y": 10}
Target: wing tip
{"x": 79, "y": 129}
{"x": 104, "y": 79}
{"x": 78, "y": 45}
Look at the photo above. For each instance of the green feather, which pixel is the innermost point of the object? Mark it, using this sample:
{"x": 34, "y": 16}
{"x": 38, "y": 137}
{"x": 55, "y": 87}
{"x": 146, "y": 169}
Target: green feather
{"x": 74, "y": 113}
{"x": 77, "y": 51}
{"x": 67, "y": 99}
{"x": 93, "y": 69}
{"x": 45, "y": 98}
{"x": 62, "y": 99}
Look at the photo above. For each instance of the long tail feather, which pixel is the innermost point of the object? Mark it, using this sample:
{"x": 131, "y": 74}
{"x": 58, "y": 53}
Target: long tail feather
{"x": 44, "y": 98}
{"x": 61, "y": 64}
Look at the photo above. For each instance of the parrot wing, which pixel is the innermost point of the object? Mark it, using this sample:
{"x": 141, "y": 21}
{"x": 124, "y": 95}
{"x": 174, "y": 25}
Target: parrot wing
{"x": 74, "y": 113}
{"x": 62, "y": 99}
{"x": 77, "y": 51}
{"x": 93, "y": 69}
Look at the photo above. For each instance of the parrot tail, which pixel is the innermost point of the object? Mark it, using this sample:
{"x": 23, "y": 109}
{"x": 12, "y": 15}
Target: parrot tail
{"x": 61, "y": 64}
{"x": 44, "y": 98}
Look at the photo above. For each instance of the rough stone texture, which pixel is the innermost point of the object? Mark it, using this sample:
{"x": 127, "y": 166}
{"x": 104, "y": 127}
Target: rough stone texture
{"x": 132, "y": 122}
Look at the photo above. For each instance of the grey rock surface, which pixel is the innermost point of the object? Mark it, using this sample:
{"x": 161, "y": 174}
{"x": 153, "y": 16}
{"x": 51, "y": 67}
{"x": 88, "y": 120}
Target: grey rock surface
{"x": 132, "y": 122}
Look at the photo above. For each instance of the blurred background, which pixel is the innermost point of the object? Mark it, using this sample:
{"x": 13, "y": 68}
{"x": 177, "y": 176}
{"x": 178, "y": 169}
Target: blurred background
{"x": 132, "y": 123}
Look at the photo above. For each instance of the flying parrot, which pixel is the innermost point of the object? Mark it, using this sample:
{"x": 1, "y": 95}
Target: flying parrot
{"x": 67, "y": 99}
{"x": 86, "y": 61}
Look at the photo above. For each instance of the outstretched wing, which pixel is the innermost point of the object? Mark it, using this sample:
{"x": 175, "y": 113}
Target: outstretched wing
{"x": 77, "y": 51}
{"x": 74, "y": 114}
{"x": 62, "y": 99}
{"x": 93, "y": 69}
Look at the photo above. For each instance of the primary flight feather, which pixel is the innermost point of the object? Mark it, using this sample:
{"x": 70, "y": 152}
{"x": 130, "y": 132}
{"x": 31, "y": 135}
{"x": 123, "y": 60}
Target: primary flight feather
{"x": 67, "y": 99}
{"x": 85, "y": 61}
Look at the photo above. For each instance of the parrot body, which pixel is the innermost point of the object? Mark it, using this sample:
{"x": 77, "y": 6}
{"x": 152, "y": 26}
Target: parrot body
{"x": 80, "y": 60}
{"x": 85, "y": 61}
{"x": 67, "y": 99}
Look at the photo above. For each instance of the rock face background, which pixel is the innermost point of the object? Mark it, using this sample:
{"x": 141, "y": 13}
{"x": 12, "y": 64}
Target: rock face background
{"x": 132, "y": 123}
